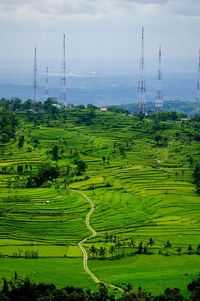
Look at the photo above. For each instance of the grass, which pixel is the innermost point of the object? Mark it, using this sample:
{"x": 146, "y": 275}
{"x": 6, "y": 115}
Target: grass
{"x": 153, "y": 273}
{"x": 61, "y": 272}
{"x": 28, "y": 216}
{"x": 139, "y": 190}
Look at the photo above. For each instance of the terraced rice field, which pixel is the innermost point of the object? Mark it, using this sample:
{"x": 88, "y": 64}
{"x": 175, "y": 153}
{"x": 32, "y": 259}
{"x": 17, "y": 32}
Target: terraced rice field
{"x": 139, "y": 190}
{"x": 43, "y": 215}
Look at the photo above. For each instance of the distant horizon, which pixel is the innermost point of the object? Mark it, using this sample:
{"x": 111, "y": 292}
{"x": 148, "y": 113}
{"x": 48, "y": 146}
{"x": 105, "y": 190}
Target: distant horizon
{"x": 100, "y": 88}
{"x": 170, "y": 66}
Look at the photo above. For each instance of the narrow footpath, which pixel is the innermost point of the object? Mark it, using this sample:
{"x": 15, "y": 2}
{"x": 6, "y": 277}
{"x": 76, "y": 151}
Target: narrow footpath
{"x": 81, "y": 244}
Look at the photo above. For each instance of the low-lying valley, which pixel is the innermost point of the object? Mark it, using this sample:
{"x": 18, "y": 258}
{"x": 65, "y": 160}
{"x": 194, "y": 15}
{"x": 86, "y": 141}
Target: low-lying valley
{"x": 137, "y": 175}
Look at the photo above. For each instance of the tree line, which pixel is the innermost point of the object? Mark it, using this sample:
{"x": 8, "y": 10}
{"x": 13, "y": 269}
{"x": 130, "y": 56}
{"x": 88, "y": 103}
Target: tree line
{"x": 8, "y": 123}
{"x": 25, "y": 290}
{"x": 121, "y": 248}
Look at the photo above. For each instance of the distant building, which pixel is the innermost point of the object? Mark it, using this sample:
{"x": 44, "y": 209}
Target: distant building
{"x": 57, "y": 105}
{"x": 103, "y": 109}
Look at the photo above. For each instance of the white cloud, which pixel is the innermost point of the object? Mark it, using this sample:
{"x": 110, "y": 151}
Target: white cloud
{"x": 96, "y": 27}
{"x": 189, "y": 8}
{"x": 93, "y": 8}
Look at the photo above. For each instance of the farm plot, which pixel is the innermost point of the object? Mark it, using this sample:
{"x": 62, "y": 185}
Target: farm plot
{"x": 43, "y": 216}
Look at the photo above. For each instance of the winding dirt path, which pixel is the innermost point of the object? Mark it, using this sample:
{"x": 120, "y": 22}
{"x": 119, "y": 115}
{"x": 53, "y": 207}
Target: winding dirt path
{"x": 81, "y": 244}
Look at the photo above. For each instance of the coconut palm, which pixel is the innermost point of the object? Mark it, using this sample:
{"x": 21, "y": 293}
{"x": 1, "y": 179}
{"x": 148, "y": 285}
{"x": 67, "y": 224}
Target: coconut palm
{"x": 93, "y": 250}
{"x": 178, "y": 250}
{"x": 167, "y": 246}
{"x": 189, "y": 249}
{"x": 112, "y": 250}
{"x": 102, "y": 252}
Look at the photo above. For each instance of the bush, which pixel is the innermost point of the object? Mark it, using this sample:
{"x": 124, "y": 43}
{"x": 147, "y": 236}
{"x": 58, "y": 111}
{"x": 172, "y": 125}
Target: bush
{"x": 46, "y": 173}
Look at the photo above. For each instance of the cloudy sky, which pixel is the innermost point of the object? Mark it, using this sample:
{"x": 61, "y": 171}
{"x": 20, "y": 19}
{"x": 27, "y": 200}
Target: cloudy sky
{"x": 99, "y": 29}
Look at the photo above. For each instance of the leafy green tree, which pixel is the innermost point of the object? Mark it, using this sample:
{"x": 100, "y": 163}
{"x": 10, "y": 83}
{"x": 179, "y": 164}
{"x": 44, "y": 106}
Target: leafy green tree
{"x": 8, "y": 122}
{"x": 81, "y": 167}
{"x": 21, "y": 141}
{"x": 194, "y": 287}
{"x": 191, "y": 160}
{"x": 103, "y": 159}
{"x": 55, "y": 153}
{"x": 15, "y": 104}
{"x": 20, "y": 169}
{"x": 36, "y": 142}
{"x": 46, "y": 173}
{"x": 161, "y": 140}
{"x": 5, "y": 289}
{"x": 196, "y": 177}
{"x": 103, "y": 293}
{"x": 171, "y": 294}
{"x": 4, "y": 138}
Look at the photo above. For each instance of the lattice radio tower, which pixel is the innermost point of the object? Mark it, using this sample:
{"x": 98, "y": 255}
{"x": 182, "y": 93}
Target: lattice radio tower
{"x": 159, "y": 93}
{"x": 198, "y": 89}
{"x": 47, "y": 84}
{"x": 141, "y": 82}
{"x": 63, "y": 80}
{"x": 35, "y": 76}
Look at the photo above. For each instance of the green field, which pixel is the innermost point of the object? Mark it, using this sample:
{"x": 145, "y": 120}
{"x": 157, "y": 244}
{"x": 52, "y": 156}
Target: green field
{"x": 59, "y": 271}
{"x": 140, "y": 189}
{"x": 151, "y": 272}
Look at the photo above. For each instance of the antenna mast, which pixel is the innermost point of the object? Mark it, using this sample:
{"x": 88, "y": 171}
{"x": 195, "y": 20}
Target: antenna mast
{"x": 47, "y": 84}
{"x": 198, "y": 89}
{"x": 63, "y": 81}
{"x": 141, "y": 82}
{"x": 35, "y": 76}
{"x": 159, "y": 94}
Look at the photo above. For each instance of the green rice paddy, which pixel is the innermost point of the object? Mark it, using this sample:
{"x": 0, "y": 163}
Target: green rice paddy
{"x": 139, "y": 190}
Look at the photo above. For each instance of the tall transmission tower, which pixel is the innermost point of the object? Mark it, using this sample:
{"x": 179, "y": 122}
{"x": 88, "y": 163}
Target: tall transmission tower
{"x": 63, "y": 80}
{"x": 198, "y": 89}
{"x": 35, "y": 76}
{"x": 47, "y": 83}
{"x": 141, "y": 82}
{"x": 159, "y": 93}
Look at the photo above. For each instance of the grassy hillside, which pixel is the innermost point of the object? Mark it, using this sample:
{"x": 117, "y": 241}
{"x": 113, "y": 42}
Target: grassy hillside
{"x": 138, "y": 172}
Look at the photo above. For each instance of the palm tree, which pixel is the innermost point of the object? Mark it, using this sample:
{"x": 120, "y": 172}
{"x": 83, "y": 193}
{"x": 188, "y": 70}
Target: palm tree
{"x": 102, "y": 252}
{"x": 124, "y": 247}
{"x": 145, "y": 249}
{"x": 93, "y": 250}
{"x": 178, "y": 250}
{"x": 140, "y": 248}
{"x": 132, "y": 244}
{"x": 150, "y": 242}
{"x": 167, "y": 246}
{"x": 112, "y": 250}
{"x": 198, "y": 249}
{"x": 118, "y": 245}
{"x": 189, "y": 249}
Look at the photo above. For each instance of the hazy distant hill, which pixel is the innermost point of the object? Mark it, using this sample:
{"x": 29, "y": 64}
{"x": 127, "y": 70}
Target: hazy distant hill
{"x": 187, "y": 107}
{"x": 101, "y": 89}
